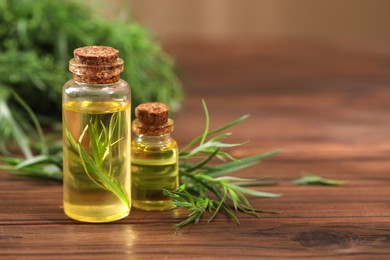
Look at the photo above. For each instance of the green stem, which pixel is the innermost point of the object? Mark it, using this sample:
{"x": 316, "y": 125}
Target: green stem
{"x": 44, "y": 149}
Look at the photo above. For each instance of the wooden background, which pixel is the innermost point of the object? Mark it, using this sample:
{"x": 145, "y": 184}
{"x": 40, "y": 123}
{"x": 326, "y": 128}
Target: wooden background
{"x": 252, "y": 19}
{"x": 326, "y": 103}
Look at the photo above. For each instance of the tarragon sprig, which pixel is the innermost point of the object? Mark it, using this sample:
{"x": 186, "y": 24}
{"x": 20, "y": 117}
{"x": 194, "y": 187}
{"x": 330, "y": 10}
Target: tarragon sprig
{"x": 93, "y": 161}
{"x": 312, "y": 179}
{"x": 47, "y": 163}
{"x": 207, "y": 189}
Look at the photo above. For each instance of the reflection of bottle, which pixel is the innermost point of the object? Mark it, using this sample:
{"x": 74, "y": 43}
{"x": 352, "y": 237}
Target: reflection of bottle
{"x": 96, "y": 137}
{"x": 154, "y": 162}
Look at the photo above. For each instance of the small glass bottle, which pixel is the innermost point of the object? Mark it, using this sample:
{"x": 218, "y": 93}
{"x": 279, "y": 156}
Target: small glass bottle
{"x": 96, "y": 137}
{"x": 154, "y": 162}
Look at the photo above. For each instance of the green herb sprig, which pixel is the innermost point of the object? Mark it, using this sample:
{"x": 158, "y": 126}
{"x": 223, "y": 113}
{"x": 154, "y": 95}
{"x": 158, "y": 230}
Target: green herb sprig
{"x": 206, "y": 187}
{"x": 312, "y": 179}
{"x": 47, "y": 163}
{"x": 93, "y": 161}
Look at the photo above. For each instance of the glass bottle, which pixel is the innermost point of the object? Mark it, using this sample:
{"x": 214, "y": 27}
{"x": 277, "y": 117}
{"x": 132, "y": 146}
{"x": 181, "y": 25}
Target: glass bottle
{"x": 96, "y": 137}
{"x": 154, "y": 162}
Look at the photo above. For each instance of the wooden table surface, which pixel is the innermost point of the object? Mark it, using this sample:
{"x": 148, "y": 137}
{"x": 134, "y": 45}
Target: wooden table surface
{"x": 327, "y": 104}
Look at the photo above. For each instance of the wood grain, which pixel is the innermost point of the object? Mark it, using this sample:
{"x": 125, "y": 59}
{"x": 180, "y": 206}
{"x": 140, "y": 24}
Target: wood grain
{"x": 326, "y": 104}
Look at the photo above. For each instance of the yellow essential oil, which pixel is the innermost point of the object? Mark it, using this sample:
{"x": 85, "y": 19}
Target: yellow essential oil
{"x": 154, "y": 162}
{"x": 96, "y": 137}
{"x": 85, "y": 196}
{"x": 153, "y": 168}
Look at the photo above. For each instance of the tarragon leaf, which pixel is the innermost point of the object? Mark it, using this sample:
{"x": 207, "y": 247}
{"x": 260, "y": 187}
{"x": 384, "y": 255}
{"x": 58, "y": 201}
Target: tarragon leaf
{"x": 312, "y": 179}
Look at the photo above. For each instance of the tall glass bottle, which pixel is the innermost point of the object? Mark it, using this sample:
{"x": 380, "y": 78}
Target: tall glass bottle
{"x": 96, "y": 137}
{"x": 154, "y": 162}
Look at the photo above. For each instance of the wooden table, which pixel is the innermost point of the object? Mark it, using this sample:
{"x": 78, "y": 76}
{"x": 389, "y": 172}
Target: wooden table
{"x": 326, "y": 103}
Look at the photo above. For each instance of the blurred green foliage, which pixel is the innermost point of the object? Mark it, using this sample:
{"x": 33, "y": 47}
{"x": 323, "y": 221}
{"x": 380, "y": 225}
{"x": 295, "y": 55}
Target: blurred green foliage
{"x": 37, "y": 39}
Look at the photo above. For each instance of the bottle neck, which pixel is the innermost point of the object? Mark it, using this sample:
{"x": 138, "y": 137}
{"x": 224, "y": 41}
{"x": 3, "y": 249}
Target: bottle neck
{"x": 153, "y": 140}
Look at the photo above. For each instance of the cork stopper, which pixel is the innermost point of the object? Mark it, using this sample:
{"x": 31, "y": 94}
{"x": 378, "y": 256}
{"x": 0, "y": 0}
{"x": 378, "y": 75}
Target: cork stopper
{"x": 152, "y": 114}
{"x": 96, "y": 65}
{"x": 152, "y": 119}
{"x": 96, "y": 55}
